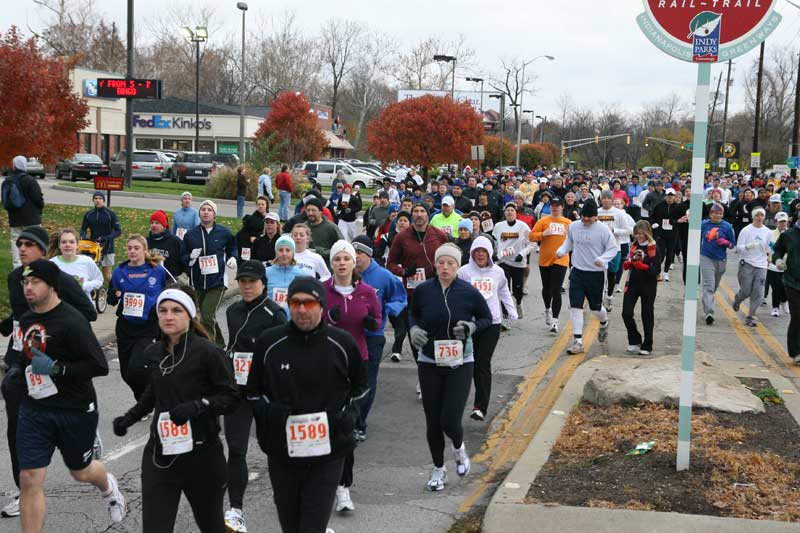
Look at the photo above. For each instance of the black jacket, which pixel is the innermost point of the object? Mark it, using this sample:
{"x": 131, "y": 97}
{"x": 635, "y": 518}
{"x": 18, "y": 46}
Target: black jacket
{"x": 68, "y": 290}
{"x": 101, "y": 225}
{"x": 247, "y": 321}
{"x": 200, "y": 372}
{"x": 264, "y": 248}
{"x": 463, "y": 204}
{"x": 30, "y": 214}
{"x": 664, "y": 211}
{"x": 296, "y": 372}
{"x": 170, "y": 247}
{"x": 252, "y": 227}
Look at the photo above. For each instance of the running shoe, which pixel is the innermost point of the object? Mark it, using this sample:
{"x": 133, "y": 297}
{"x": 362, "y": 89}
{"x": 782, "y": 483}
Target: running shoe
{"x": 602, "y": 333}
{"x": 329, "y": 530}
{"x": 644, "y": 352}
{"x": 97, "y": 447}
{"x": 396, "y": 357}
{"x": 735, "y": 305}
{"x": 665, "y": 277}
{"x": 343, "y": 500}
{"x": 438, "y": 479}
{"x": 632, "y": 348}
{"x": 577, "y": 347}
{"x": 548, "y": 317}
{"x": 795, "y": 359}
{"x": 750, "y": 321}
{"x": 419, "y": 392}
{"x": 525, "y": 290}
{"x": 234, "y": 521}
{"x": 359, "y": 435}
{"x": 619, "y": 290}
{"x": 12, "y": 509}
{"x": 608, "y": 302}
{"x": 504, "y": 326}
{"x": 764, "y": 302}
{"x": 785, "y": 306}
{"x": 563, "y": 290}
{"x": 709, "y": 319}
{"x": 462, "y": 460}
{"x": 554, "y": 326}
{"x": 775, "y": 312}
{"x": 671, "y": 267}
{"x": 520, "y": 310}
{"x": 117, "y": 508}
{"x": 477, "y": 414}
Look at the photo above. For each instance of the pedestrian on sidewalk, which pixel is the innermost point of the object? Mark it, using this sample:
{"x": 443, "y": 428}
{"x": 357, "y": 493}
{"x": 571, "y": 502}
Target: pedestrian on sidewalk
{"x": 754, "y": 250}
{"x": 283, "y": 182}
{"x": 22, "y": 198}
{"x": 716, "y": 238}
{"x": 241, "y": 191}
{"x": 265, "y": 184}
{"x": 644, "y": 263}
{"x": 786, "y": 256}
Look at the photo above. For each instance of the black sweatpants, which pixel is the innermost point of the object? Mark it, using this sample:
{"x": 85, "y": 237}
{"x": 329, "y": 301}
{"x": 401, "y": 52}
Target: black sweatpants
{"x": 515, "y": 277}
{"x": 200, "y": 475}
{"x": 793, "y": 333}
{"x": 132, "y": 340}
{"x": 484, "y": 344}
{"x": 237, "y": 435}
{"x": 444, "y": 395}
{"x": 14, "y": 391}
{"x": 552, "y": 280}
{"x": 668, "y": 244}
{"x": 775, "y": 282}
{"x": 304, "y": 494}
{"x": 647, "y": 293}
{"x": 624, "y": 248}
{"x": 400, "y": 326}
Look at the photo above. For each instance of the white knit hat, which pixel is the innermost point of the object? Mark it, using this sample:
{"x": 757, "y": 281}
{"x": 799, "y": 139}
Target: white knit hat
{"x": 343, "y": 246}
{"x": 450, "y": 250}
{"x": 210, "y": 204}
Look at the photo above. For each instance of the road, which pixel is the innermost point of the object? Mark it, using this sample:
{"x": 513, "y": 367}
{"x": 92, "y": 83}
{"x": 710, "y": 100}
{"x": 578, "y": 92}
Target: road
{"x": 393, "y": 465}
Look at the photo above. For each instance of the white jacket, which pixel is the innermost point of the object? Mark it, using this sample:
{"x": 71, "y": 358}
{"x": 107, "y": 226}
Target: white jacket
{"x": 512, "y": 241}
{"x": 490, "y": 281}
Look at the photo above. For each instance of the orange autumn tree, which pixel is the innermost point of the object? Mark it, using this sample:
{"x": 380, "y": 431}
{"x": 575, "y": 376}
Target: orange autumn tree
{"x": 290, "y": 130}
{"x": 40, "y": 115}
{"x": 425, "y": 130}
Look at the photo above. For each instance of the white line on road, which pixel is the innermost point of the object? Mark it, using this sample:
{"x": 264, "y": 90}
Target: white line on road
{"x": 125, "y": 449}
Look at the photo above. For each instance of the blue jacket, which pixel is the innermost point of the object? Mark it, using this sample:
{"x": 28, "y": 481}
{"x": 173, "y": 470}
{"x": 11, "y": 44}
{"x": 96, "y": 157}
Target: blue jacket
{"x": 437, "y": 312}
{"x": 279, "y": 277}
{"x": 390, "y": 291}
{"x": 265, "y": 186}
{"x": 220, "y": 242}
{"x": 634, "y": 190}
{"x": 101, "y": 225}
{"x": 144, "y": 279}
{"x": 709, "y": 233}
{"x": 186, "y": 218}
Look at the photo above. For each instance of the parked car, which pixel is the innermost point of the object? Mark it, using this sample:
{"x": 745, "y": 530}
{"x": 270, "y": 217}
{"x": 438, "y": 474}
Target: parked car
{"x": 85, "y": 166}
{"x": 228, "y": 160}
{"x": 190, "y": 166}
{"x": 35, "y": 168}
{"x": 145, "y": 164}
{"x": 323, "y": 172}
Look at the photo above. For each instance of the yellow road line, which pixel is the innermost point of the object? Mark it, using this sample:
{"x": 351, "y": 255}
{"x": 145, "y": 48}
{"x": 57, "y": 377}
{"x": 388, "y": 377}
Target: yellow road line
{"x": 744, "y": 335}
{"x": 529, "y": 414}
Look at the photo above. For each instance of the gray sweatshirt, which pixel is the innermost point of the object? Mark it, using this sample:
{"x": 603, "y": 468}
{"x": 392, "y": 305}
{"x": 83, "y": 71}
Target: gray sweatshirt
{"x": 589, "y": 244}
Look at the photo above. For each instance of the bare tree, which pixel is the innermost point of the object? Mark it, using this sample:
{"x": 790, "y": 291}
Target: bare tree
{"x": 416, "y": 69}
{"x": 340, "y": 44}
{"x": 511, "y": 83}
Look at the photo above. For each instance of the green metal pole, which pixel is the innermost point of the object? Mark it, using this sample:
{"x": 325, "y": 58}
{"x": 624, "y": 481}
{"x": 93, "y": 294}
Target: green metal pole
{"x": 693, "y": 265}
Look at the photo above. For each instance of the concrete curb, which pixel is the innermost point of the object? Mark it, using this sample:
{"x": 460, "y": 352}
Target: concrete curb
{"x": 508, "y": 512}
{"x": 67, "y": 188}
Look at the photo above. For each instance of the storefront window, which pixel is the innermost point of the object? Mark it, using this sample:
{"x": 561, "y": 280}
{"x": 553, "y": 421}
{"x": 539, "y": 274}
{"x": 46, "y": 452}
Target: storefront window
{"x": 87, "y": 143}
{"x": 148, "y": 144}
{"x": 205, "y": 146}
{"x": 181, "y": 145}
{"x": 228, "y": 148}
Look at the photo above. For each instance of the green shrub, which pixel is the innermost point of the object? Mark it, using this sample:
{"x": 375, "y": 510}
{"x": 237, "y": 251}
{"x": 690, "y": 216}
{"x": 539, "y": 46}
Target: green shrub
{"x": 223, "y": 183}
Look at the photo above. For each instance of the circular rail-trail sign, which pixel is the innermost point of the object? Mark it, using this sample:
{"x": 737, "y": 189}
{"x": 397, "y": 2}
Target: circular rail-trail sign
{"x": 708, "y": 31}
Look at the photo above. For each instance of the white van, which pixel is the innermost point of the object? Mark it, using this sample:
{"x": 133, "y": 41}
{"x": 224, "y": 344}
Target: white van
{"x": 323, "y": 172}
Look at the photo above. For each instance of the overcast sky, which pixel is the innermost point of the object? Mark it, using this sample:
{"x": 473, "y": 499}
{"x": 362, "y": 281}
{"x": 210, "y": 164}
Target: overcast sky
{"x": 601, "y": 55}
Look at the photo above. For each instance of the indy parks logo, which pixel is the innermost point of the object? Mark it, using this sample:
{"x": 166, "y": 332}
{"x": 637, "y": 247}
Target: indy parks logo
{"x": 704, "y": 30}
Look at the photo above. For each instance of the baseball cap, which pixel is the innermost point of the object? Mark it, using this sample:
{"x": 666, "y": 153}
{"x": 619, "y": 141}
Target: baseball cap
{"x": 251, "y": 269}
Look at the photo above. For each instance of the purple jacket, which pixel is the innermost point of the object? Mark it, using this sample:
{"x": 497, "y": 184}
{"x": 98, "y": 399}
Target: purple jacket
{"x": 353, "y": 309}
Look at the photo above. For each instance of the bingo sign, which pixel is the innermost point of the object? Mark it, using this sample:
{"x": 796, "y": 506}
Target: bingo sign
{"x": 707, "y": 31}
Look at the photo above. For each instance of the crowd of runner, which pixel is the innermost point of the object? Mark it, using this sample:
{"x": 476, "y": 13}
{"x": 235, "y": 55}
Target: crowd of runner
{"x": 445, "y": 260}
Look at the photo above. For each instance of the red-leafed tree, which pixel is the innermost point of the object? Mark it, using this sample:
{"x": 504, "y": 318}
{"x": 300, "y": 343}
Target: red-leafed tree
{"x": 425, "y": 130}
{"x": 40, "y": 115}
{"x": 290, "y": 130}
{"x": 492, "y": 147}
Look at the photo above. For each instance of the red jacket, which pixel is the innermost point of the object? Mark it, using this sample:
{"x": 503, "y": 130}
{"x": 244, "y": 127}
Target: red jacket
{"x": 283, "y": 181}
{"x": 407, "y": 251}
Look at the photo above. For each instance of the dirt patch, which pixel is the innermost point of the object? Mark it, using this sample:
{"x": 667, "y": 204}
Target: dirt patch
{"x": 743, "y": 465}
{"x": 472, "y": 522}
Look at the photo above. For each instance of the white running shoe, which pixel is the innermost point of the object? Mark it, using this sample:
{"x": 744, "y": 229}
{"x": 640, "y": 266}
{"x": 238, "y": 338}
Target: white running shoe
{"x": 577, "y": 347}
{"x": 608, "y": 302}
{"x": 477, "y": 414}
{"x": 548, "y": 317}
{"x": 343, "y": 500}
{"x": 12, "y": 509}
{"x": 462, "y": 460}
{"x": 554, "y": 326}
{"x": 234, "y": 521}
{"x": 396, "y": 357}
{"x": 419, "y": 392}
{"x": 619, "y": 290}
{"x": 117, "y": 507}
{"x": 644, "y": 352}
{"x": 329, "y": 530}
{"x": 438, "y": 479}
{"x": 665, "y": 277}
{"x": 775, "y": 312}
{"x": 632, "y": 348}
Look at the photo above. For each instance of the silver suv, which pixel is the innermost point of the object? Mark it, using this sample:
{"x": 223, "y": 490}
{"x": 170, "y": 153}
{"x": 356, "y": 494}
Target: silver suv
{"x": 191, "y": 166}
{"x": 323, "y": 172}
{"x": 145, "y": 164}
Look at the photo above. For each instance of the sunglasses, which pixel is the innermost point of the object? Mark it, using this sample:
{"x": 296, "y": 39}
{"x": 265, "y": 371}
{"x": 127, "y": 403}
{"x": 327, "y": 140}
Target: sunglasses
{"x": 25, "y": 244}
{"x": 308, "y": 305}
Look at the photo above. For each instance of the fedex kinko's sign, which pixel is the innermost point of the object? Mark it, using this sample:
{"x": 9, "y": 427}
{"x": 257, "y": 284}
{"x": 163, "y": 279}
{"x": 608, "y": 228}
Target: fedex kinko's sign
{"x": 707, "y": 31}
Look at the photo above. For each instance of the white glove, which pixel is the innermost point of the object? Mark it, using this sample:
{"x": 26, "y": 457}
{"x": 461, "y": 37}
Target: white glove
{"x": 418, "y": 337}
{"x": 195, "y": 253}
{"x": 231, "y": 262}
{"x": 780, "y": 264}
{"x": 560, "y": 254}
{"x": 750, "y": 245}
{"x": 599, "y": 263}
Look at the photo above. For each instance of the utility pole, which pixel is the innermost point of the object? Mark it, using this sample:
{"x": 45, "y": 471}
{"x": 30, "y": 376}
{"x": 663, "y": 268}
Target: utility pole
{"x": 754, "y": 170}
{"x": 796, "y": 129}
{"x": 725, "y": 113}
{"x": 129, "y": 103}
{"x": 243, "y": 7}
{"x": 711, "y": 118}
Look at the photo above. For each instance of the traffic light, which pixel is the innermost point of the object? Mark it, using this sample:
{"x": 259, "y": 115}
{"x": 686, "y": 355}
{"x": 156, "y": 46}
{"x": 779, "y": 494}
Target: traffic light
{"x": 627, "y": 139}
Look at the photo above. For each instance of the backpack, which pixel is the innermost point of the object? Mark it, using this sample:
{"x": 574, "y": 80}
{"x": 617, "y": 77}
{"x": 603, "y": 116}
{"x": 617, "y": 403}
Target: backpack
{"x": 11, "y": 192}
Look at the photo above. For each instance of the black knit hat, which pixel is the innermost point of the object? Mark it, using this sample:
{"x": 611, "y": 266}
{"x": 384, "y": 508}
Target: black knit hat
{"x": 362, "y": 243}
{"x": 589, "y": 209}
{"x": 307, "y": 285}
{"x": 35, "y": 234}
{"x": 43, "y": 269}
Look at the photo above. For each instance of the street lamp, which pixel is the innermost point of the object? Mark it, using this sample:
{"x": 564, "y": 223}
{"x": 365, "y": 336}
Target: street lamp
{"x": 478, "y": 80}
{"x": 243, "y": 7}
{"x": 197, "y": 36}
{"x": 521, "y": 94}
{"x": 541, "y": 126}
{"x": 502, "y": 98}
{"x": 449, "y": 59}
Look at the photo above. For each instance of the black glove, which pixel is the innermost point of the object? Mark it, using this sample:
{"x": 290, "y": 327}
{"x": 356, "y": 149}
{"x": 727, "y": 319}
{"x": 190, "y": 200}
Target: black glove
{"x": 181, "y": 413}
{"x": 518, "y": 258}
{"x": 335, "y": 314}
{"x": 371, "y": 323}
{"x": 7, "y": 326}
{"x": 277, "y": 415}
{"x": 121, "y": 425}
{"x": 410, "y": 271}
